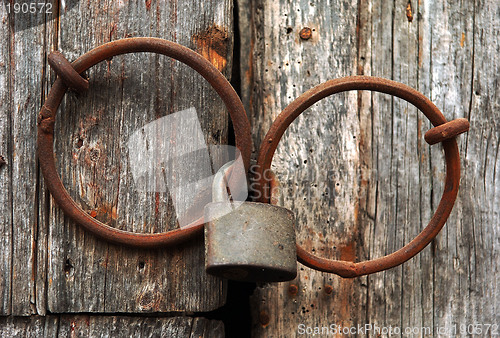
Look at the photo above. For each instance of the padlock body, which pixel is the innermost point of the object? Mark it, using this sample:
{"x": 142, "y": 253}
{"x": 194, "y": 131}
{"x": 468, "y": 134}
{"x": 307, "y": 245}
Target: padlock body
{"x": 250, "y": 242}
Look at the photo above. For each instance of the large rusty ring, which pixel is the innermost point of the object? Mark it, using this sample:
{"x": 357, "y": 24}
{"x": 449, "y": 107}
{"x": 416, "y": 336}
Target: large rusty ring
{"x": 290, "y": 113}
{"x": 66, "y": 78}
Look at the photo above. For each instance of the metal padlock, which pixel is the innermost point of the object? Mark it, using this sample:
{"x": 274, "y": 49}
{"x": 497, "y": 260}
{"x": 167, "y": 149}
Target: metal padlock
{"x": 248, "y": 241}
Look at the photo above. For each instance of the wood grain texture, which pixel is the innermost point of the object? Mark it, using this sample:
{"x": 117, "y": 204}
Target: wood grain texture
{"x": 23, "y": 73}
{"x": 27, "y": 53}
{"x": 470, "y": 269}
{"x": 109, "y": 326}
{"x": 366, "y": 151}
{"x": 48, "y": 263}
{"x": 51, "y": 28}
{"x": 316, "y": 161}
{"x": 6, "y": 168}
{"x": 127, "y": 92}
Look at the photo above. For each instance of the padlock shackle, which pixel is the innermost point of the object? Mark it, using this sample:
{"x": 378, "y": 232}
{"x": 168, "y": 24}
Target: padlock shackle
{"x": 221, "y": 183}
{"x": 452, "y": 181}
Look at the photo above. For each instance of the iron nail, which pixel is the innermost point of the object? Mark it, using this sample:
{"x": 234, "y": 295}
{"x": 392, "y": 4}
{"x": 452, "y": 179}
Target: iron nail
{"x": 305, "y": 33}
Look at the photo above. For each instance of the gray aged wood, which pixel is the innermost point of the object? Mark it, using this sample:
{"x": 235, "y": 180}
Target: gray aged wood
{"x": 92, "y": 139}
{"x": 109, "y": 326}
{"x": 48, "y": 263}
{"x": 5, "y": 171}
{"x": 354, "y": 167}
{"x": 356, "y": 170}
{"x": 21, "y": 87}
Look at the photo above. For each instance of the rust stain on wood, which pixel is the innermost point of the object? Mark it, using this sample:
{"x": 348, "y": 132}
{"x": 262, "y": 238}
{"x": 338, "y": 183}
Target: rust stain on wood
{"x": 112, "y": 30}
{"x": 345, "y": 293}
{"x": 105, "y": 213}
{"x": 264, "y": 318}
{"x": 72, "y": 328}
{"x": 249, "y": 71}
{"x": 409, "y": 12}
{"x": 462, "y": 40}
{"x": 348, "y": 252}
{"x": 213, "y": 44}
{"x": 293, "y": 290}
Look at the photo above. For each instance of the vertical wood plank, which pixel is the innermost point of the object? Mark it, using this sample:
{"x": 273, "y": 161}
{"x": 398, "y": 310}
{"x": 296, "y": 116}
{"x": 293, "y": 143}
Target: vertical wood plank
{"x": 465, "y": 80}
{"x": 448, "y": 51}
{"x": 27, "y": 50}
{"x": 127, "y": 92}
{"x": 5, "y": 166}
{"x": 450, "y": 78}
{"x": 484, "y": 114}
{"x": 51, "y": 26}
{"x": 22, "y": 74}
{"x": 316, "y": 161}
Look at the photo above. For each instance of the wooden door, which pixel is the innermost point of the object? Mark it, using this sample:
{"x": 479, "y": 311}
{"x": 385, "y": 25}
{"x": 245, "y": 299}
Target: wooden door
{"x": 358, "y": 174}
{"x": 354, "y": 168}
{"x": 49, "y": 264}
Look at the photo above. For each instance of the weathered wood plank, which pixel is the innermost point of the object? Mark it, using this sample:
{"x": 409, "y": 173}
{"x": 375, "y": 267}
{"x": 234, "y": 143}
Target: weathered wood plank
{"x": 5, "y": 167}
{"x": 43, "y": 202}
{"x": 34, "y": 326}
{"x": 109, "y": 326}
{"x": 26, "y": 59}
{"x": 403, "y": 176}
{"x": 386, "y": 175}
{"x": 317, "y": 165}
{"x": 481, "y": 151}
{"x": 465, "y": 78}
{"x": 126, "y": 93}
{"x": 390, "y": 180}
{"x": 22, "y": 72}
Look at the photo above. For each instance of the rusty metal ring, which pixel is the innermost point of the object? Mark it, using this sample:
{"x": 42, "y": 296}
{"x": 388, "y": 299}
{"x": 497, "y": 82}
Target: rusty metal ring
{"x": 290, "y": 113}
{"x": 47, "y": 117}
{"x": 65, "y": 70}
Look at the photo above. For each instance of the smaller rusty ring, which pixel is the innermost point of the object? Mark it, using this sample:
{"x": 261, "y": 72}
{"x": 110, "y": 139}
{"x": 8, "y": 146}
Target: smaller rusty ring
{"x": 292, "y": 111}
{"x": 65, "y": 70}
{"x": 45, "y": 138}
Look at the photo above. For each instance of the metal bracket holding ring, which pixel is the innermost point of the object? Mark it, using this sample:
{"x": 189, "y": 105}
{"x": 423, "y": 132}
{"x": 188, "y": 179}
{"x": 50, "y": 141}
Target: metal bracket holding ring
{"x": 443, "y": 132}
{"x": 69, "y": 77}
